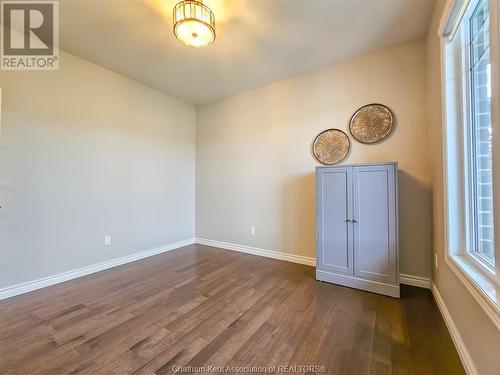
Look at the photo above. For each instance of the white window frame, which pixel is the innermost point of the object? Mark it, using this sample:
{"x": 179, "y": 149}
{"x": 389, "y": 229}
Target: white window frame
{"x": 478, "y": 276}
{"x": 468, "y": 146}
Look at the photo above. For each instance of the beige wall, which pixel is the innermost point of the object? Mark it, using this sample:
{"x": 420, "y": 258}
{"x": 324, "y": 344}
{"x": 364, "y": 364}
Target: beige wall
{"x": 481, "y": 337}
{"x": 254, "y": 165}
{"x": 86, "y": 153}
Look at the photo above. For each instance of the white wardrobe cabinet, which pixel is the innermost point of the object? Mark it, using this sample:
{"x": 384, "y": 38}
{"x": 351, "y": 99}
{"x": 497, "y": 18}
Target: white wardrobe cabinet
{"x": 357, "y": 226}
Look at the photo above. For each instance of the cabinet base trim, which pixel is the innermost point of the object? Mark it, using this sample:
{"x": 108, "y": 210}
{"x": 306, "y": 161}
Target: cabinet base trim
{"x": 354, "y": 282}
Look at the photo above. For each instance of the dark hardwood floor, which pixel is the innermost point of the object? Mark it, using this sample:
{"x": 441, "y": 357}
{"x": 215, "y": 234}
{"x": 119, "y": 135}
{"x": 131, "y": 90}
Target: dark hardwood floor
{"x": 201, "y": 306}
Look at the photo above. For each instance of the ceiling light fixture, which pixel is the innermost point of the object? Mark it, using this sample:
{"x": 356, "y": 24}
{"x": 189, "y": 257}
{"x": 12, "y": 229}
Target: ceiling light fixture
{"x": 194, "y": 23}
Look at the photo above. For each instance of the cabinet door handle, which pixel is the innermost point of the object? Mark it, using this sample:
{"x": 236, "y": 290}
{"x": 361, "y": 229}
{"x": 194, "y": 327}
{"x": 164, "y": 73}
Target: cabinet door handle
{"x": 354, "y": 221}
{"x": 348, "y": 221}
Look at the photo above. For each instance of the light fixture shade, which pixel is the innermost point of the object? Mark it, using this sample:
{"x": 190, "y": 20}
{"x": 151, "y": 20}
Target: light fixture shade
{"x": 194, "y": 23}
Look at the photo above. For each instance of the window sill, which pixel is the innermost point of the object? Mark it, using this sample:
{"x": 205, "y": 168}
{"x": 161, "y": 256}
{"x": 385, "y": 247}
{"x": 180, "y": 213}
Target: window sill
{"x": 483, "y": 289}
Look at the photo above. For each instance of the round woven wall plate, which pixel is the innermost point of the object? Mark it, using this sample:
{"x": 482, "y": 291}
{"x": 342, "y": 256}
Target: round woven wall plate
{"x": 371, "y": 123}
{"x": 331, "y": 146}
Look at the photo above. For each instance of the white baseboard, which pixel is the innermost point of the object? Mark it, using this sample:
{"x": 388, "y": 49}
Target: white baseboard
{"x": 465, "y": 357}
{"x": 30, "y": 286}
{"x": 15, "y": 290}
{"x": 256, "y": 251}
{"x": 419, "y": 281}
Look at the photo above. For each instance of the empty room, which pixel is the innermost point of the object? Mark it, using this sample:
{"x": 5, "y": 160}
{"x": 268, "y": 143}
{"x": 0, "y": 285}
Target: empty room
{"x": 250, "y": 187}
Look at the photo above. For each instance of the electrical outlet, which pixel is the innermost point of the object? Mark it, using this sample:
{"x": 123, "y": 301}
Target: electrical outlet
{"x": 252, "y": 231}
{"x": 107, "y": 240}
{"x": 435, "y": 260}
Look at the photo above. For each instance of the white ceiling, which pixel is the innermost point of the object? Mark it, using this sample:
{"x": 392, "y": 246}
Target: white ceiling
{"x": 258, "y": 41}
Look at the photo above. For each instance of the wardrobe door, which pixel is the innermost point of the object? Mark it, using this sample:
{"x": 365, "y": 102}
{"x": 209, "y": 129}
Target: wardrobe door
{"x": 374, "y": 222}
{"x": 334, "y": 208}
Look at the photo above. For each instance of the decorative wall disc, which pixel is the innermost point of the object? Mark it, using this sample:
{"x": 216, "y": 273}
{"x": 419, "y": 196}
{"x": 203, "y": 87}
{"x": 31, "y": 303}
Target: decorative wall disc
{"x": 371, "y": 123}
{"x": 331, "y": 146}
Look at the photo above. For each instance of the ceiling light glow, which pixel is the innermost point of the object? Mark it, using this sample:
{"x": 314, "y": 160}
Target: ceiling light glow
{"x": 194, "y": 23}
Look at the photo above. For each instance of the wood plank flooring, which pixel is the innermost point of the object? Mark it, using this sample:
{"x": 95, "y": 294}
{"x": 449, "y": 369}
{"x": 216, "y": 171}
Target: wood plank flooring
{"x": 201, "y": 306}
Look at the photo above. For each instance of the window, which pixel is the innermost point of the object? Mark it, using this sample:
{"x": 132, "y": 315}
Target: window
{"x": 471, "y": 146}
{"x": 479, "y": 128}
